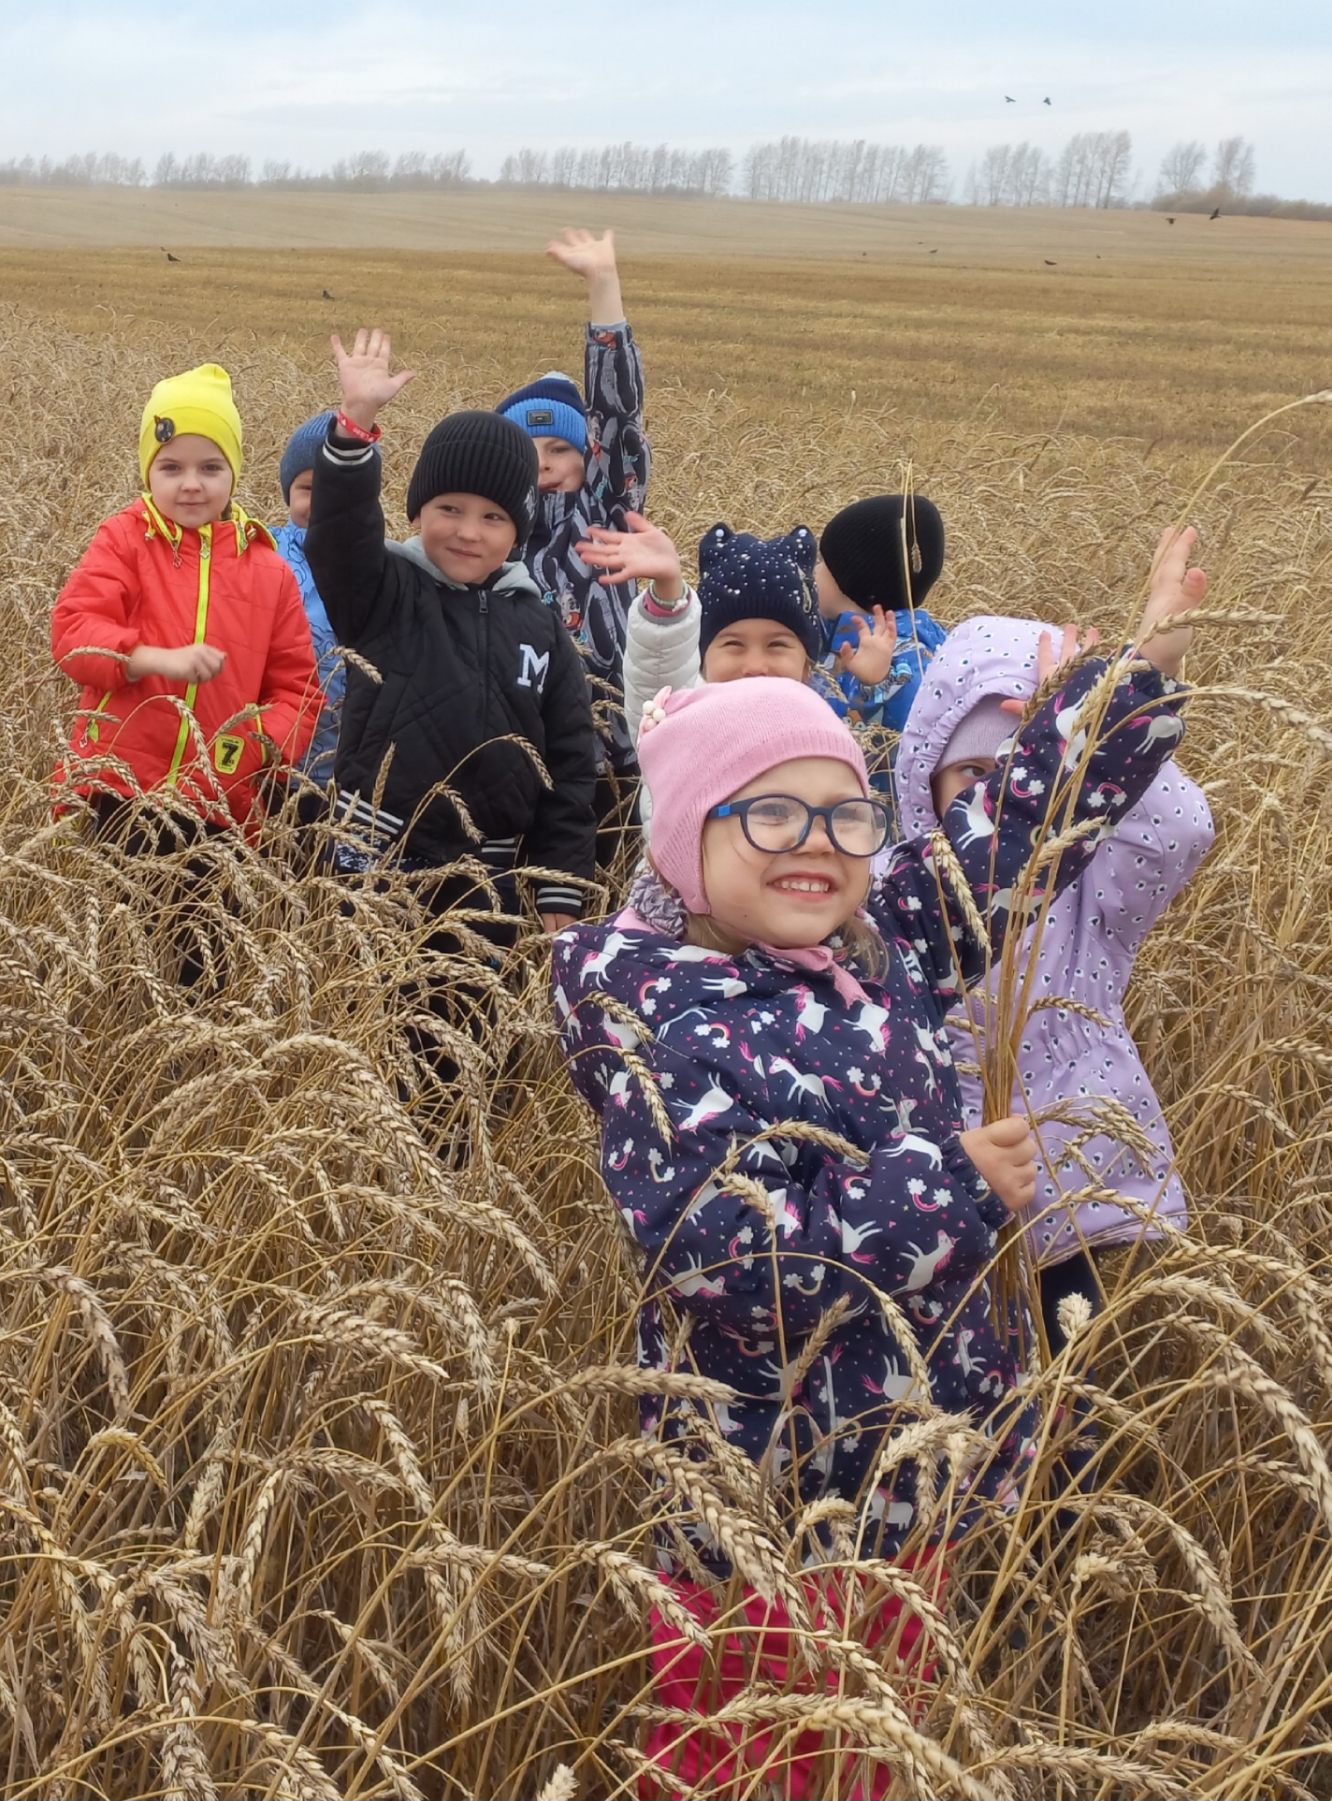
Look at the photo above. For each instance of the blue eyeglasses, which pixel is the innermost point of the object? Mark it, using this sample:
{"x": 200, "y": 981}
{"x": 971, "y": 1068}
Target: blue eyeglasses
{"x": 779, "y": 822}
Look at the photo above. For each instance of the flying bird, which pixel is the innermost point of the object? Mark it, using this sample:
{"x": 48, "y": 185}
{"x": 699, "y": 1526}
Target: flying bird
{"x": 167, "y": 254}
{"x": 325, "y": 295}
{"x": 1215, "y": 213}
{"x": 1049, "y": 264}
{"x": 1009, "y": 98}
{"x": 1047, "y": 101}
{"x": 934, "y": 253}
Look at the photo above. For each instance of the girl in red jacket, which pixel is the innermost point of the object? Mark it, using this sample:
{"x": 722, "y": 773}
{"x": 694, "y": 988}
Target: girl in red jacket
{"x": 185, "y": 629}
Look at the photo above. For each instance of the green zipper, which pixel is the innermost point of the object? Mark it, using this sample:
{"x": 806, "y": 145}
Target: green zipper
{"x": 92, "y": 731}
{"x": 200, "y": 626}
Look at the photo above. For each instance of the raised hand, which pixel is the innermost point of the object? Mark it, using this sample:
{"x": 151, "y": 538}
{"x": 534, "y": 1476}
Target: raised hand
{"x": 1071, "y": 644}
{"x": 583, "y": 252}
{"x": 363, "y": 375}
{"x": 871, "y": 657}
{"x": 1005, "y": 1154}
{"x": 594, "y": 259}
{"x": 644, "y": 553}
{"x": 1175, "y": 588}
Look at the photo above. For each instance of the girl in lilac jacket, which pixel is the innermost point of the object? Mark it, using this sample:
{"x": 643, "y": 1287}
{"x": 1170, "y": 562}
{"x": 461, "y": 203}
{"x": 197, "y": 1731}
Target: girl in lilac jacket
{"x": 1087, "y": 946}
{"x": 744, "y": 990}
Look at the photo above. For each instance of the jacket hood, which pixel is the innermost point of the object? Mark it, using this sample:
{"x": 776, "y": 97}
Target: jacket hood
{"x": 986, "y": 656}
{"x": 512, "y": 578}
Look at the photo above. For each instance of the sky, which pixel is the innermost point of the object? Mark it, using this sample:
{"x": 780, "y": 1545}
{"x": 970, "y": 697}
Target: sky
{"x": 310, "y": 82}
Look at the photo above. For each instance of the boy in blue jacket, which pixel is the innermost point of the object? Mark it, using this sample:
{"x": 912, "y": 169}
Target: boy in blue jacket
{"x": 885, "y": 552}
{"x": 296, "y": 476}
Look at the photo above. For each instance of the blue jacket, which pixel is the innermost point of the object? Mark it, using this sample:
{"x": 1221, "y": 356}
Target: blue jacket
{"x": 888, "y": 703}
{"x": 739, "y": 1045}
{"x": 317, "y": 762}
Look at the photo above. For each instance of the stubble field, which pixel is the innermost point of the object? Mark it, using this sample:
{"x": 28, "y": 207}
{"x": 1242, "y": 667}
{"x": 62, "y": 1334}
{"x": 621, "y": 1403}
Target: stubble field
{"x": 318, "y": 1466}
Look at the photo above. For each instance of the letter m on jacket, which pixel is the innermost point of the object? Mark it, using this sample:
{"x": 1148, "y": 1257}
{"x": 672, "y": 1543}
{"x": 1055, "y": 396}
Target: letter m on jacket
{"x": 532, "y": 669}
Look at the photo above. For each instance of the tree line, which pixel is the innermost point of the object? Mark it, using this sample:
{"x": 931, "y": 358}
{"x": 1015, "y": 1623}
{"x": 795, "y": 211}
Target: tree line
{"x": 626, "y": 168}
{"x": 367, "y": 169}
{"x": 1093, "y": 169}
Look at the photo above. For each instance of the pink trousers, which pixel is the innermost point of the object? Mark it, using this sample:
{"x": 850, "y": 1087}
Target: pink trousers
{"x": 735, "y": 1760}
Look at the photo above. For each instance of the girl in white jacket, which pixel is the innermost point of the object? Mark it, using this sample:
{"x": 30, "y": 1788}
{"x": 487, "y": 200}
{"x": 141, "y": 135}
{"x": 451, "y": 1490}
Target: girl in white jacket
{"x": 755, "y": 612}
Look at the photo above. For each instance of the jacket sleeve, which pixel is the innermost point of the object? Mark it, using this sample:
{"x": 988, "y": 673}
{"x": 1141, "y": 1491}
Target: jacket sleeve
{"x": 660, "y": 651}
{"x": 744, "y": 1259}
{"x": 993, "y": 826}
{"x": 95, "y": 612}
{"x": 564, "y": 832}
{"x": 1156, "y": 849}
{"x": 614, "y": 386}
{"x": 289, "y": 693}
{"x": 344, "y": 543}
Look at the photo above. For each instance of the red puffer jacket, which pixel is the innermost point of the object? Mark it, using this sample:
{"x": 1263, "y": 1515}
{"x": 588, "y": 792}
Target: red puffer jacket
{"x": 146, "y": 580}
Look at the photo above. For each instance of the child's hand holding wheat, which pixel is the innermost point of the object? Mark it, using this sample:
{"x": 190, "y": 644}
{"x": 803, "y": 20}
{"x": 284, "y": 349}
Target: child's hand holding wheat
{"x": 1175, "y": 588}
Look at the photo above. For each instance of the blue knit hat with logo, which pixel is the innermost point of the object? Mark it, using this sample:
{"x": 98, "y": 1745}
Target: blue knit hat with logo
{"x": 549, "y": 408}
{"x": 742, "y": 577}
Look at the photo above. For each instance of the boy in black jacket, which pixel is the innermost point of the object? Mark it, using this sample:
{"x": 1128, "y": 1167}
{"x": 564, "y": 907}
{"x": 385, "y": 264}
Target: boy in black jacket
{"x": 468, "y": 654}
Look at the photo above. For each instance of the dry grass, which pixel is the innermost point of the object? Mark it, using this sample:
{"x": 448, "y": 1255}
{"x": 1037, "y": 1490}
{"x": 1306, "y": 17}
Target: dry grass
{"x": 318, "y": 1469}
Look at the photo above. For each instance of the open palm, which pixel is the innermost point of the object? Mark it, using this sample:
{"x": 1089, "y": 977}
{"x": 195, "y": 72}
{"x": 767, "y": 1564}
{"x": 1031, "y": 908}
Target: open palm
{"x": 644, "y": 553}
{"x": 583, "y": 252}
{"x": 363, "y": 375}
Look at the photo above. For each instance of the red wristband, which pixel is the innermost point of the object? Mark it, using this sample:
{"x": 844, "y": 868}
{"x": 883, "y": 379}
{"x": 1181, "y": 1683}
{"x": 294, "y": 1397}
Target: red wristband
{"x": 350, "y": 429}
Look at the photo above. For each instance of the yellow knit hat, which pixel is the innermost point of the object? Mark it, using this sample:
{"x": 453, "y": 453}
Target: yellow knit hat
{"x": 199, "y": 402}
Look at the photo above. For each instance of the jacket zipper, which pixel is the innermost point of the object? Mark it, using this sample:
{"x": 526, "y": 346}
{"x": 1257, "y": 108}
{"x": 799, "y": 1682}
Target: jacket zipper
{"x": 200, "y": 627}
{"x": 484, "y": 599}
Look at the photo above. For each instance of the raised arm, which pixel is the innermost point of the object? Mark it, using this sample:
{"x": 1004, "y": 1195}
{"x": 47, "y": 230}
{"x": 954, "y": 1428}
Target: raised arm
{"x": 592, "y": 258}
{"x": 1082, "y": 761}
{"x": 344, "y": 544}
{"x": 661, "y": 640}
{"x": 619, "y": 456}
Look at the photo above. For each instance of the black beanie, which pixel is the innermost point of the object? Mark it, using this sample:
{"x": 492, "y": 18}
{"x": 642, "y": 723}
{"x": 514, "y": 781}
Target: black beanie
{"x": 741, "y": 577}
{"x": 862, "y": 547}
{"x": 479, "y": 453}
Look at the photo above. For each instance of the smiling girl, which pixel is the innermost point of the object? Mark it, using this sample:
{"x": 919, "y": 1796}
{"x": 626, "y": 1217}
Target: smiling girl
{"x": 760, "y": 981}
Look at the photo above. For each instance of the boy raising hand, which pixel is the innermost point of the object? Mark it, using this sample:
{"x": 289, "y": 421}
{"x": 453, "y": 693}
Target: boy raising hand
{"x": 594, "y": 462}
{"x": 473, "y": 667}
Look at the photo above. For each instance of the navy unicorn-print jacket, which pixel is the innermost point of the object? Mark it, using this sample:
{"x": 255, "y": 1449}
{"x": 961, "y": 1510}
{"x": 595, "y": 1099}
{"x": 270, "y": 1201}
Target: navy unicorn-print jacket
{"x": 737, "y": 1048}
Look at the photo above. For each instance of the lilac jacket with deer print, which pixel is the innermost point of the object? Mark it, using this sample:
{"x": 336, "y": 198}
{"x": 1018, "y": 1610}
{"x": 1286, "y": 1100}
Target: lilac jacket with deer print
{"x": 1088, "y": 943}
{"x": 738, "y": 1047}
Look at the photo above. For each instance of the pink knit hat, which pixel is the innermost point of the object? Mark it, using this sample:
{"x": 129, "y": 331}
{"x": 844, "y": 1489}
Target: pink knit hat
{"x": 979, "y": 734}
{"x": 699, "y": 746}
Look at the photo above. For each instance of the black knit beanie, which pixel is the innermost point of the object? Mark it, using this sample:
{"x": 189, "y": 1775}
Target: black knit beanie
{"x": 863, "y": 549}
{"x": 741, "y": 577}
{"x": 479, "y": 453}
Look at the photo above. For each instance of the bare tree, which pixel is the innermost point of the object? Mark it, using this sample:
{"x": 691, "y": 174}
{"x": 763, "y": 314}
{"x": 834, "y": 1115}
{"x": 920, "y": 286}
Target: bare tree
{"x": 1182, "y": 166}
{"x": 1234, "y": 166}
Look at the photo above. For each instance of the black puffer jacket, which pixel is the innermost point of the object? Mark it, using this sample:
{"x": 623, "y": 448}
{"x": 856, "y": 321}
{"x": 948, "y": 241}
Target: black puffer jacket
{"x": 461, "y": 668}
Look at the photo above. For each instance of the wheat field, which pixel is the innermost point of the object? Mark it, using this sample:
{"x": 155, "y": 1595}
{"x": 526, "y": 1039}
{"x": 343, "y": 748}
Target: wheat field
{"x": 318, "y": 1466}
